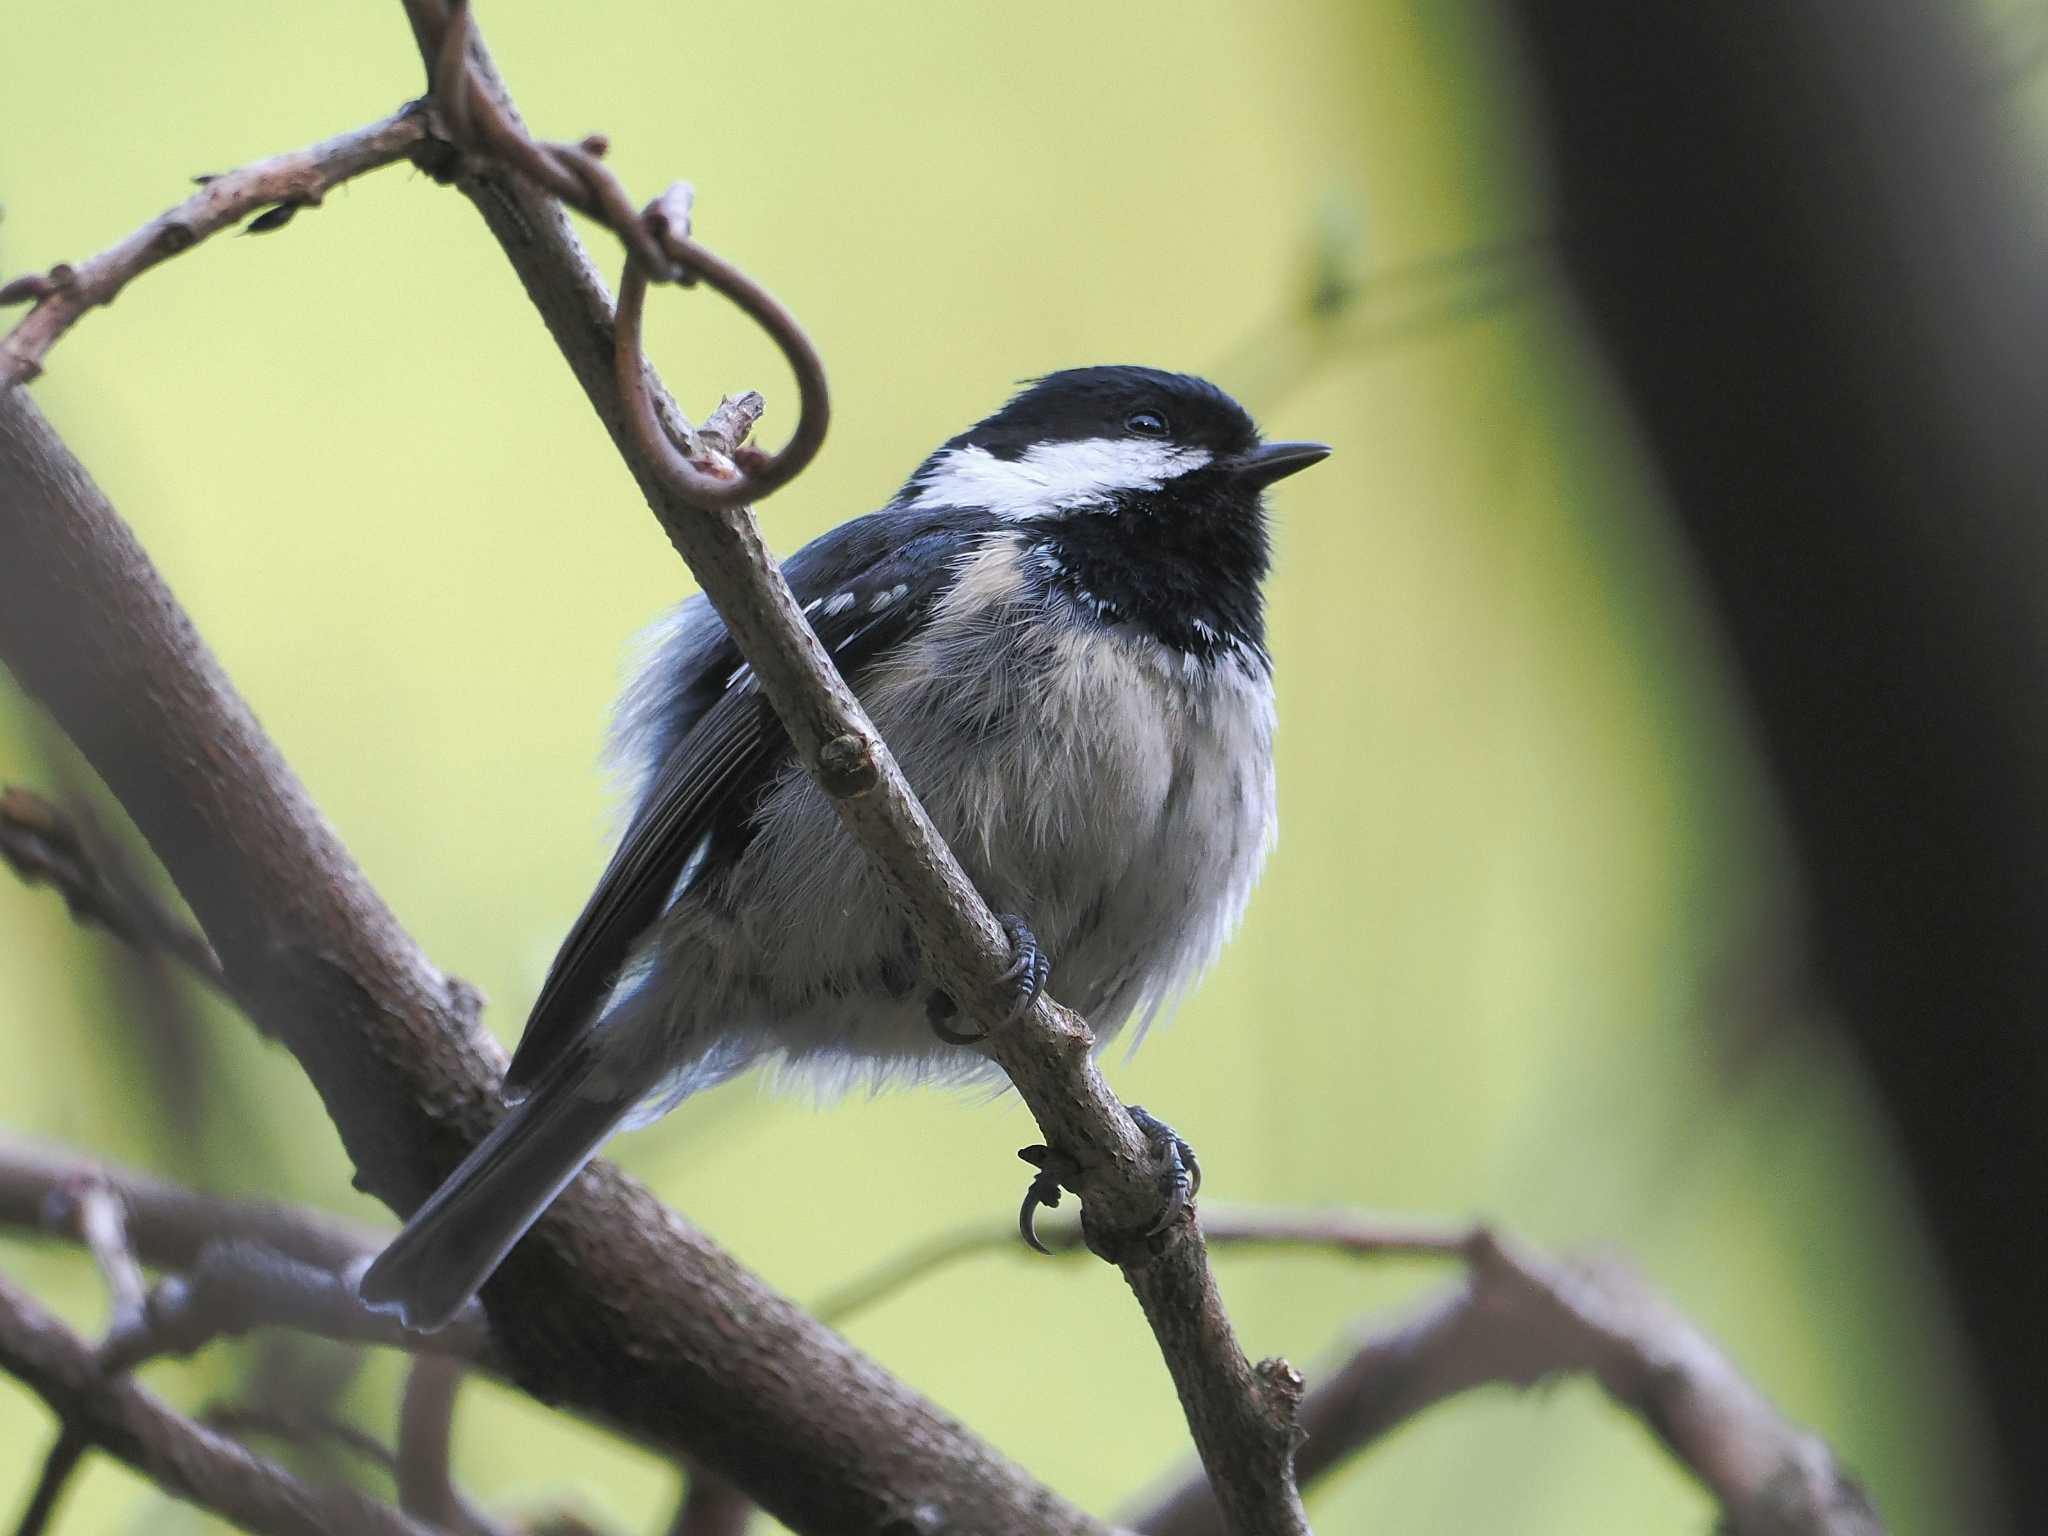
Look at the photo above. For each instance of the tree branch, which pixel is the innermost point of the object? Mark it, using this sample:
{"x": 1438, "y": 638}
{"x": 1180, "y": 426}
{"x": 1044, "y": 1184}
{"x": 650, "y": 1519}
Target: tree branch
{"x": 236, "y": 1286}
{"x": 1241, "y": 1416}
{"x": 426, "y": 1425}
{"x": 65, "y": 1455}
{"x": 283, "y": 184}
{"x": 168, "y": 1226}
{"x": 1223, "y": 1226}
{"x": 44, "y": 846}
{"x": 187, "y": 1459}
{"x": 1521, "y": 1318}
{"x": 90, "y": 1211}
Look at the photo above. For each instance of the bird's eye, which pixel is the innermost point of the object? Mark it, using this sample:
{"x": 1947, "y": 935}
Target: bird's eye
{"x": 1146, "y": 424}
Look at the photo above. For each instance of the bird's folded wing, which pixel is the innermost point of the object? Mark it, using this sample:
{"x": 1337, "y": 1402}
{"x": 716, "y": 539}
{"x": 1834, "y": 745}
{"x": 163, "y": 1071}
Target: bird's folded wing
{"x": 866, "y": 586}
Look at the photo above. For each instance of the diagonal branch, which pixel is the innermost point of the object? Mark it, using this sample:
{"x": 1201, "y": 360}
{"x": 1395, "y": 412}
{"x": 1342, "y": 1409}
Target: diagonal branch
{"x": 282, "y": 185}
{"x": 1240, "y": 1415}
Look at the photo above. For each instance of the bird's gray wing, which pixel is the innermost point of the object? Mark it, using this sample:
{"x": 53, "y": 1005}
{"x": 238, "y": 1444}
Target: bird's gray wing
{"x": 869, "y": 585}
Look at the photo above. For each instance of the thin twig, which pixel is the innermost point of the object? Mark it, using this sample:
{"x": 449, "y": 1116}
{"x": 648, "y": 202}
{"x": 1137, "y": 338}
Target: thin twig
{"x": 235, "y": 1286}
{"x": 282, "y": 184}
{"x": 235, "y": 1264}
{"x": 1343, "y": 310}
{"x": 1339, "y": 1231}
{"x": 86, "y": 1208}
{"x": 243, "y": 1420}
{"x": 44, "y": 845}
{"x": 90, "y": 1210}
{"x": 700, "y": 477}
{"x": 185, "y": 1458}
{"x": 66, "y": 1452}
{"x": 426, "y": 1434}
{"x": 710, "y": 1506}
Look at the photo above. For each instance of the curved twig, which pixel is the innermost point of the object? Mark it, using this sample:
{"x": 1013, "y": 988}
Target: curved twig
{"x": 659, "y": 248}
{"x": 574, "y": 173}
{"x": 711, "y": 479}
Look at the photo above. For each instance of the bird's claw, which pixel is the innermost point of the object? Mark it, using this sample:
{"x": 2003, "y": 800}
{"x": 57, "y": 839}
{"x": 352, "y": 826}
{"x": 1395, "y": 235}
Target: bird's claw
{"x": 1029, "y": 968}
{"x": 938, "y": 1009}
{"x": 1181, "y": 1179}
{"x": 1023, "y": 979}
{"x": 1057, "y": 1172}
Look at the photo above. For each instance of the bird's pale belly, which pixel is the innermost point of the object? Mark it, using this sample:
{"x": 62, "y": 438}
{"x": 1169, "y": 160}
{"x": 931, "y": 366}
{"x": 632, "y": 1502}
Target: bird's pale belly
{"x": 1116, "y": 798}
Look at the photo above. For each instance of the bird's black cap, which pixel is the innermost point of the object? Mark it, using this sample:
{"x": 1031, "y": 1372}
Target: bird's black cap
{"x": 1105, "y": 402}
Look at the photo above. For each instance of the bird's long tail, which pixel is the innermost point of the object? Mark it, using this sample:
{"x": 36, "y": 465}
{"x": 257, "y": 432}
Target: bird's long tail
{"x": 454, "y": 1241}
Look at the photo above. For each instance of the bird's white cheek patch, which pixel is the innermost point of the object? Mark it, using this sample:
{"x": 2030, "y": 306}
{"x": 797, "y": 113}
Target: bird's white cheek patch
{"x": 1052, "y": 476}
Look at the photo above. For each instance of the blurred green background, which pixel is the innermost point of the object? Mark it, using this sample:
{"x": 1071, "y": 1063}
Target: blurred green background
{"x": 1520, "y": 953}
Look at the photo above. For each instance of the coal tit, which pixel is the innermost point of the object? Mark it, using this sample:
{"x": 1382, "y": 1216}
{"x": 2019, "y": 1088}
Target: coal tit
{"x": 1057, "y": 627}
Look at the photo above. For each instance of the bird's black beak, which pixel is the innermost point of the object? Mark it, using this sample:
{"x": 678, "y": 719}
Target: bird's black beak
{"x": 1273, "y": 461}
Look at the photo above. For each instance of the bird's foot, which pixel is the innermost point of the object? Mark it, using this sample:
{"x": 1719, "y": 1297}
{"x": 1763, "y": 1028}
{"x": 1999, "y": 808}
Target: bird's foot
{"x": 1021, "y": 983}
{"x": 1028, "y": 971}
{"x": 1181, "y": 1171}
{"x": 1180, "y": 1177}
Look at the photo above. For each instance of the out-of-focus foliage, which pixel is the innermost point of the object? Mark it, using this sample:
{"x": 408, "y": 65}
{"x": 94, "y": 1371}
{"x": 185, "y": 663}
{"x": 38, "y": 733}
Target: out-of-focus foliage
{"x": 1518, "y": 951}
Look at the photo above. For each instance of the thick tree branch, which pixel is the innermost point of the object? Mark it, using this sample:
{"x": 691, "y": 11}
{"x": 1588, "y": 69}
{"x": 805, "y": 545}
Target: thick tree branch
{"x": 282, "y": 184}
{"x": 187, "y": 1459}
{"x": 1240, "y": 1415}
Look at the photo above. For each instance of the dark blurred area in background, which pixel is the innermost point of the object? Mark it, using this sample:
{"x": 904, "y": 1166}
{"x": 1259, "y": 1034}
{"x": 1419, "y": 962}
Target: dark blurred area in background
{"x": 1803, "y": 236}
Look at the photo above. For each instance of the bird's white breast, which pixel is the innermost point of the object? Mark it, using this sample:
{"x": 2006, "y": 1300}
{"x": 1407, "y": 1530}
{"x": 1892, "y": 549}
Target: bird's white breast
{"x": 1114, "y": 796}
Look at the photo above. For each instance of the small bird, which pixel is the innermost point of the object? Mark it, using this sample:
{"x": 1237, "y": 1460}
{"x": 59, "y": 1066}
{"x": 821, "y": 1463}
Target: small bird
{"x": 1057, "y": 627}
